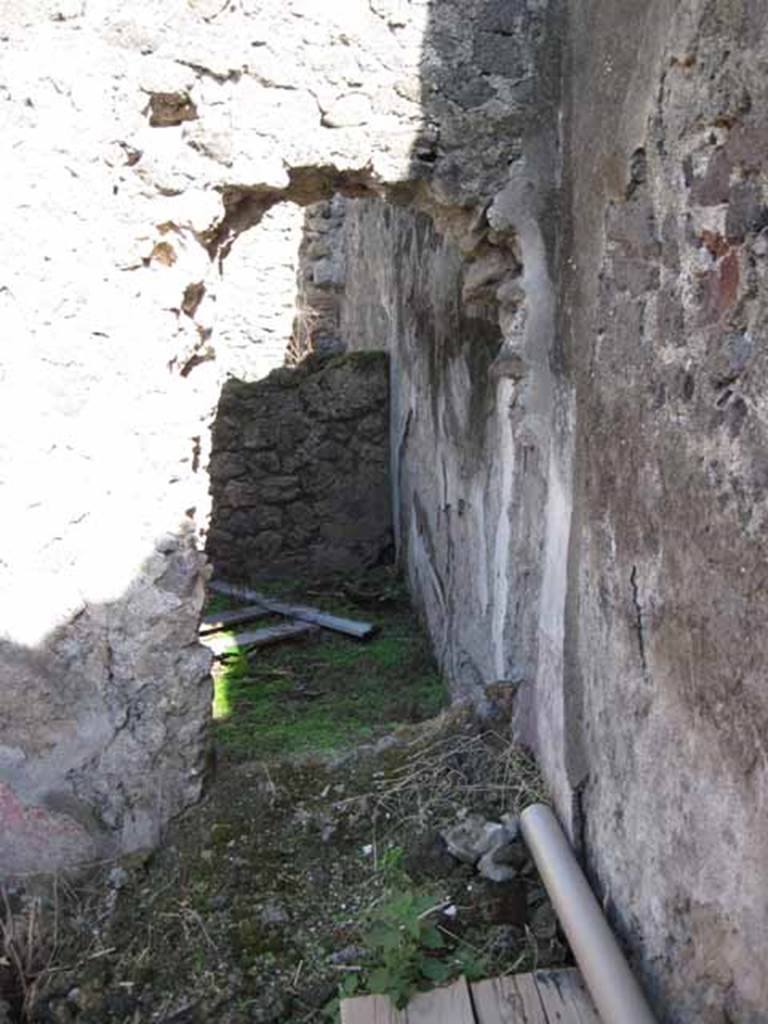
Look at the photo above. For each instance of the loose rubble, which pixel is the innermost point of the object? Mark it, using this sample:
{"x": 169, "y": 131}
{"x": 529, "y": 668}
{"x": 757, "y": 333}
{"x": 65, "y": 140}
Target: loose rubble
{"x": 494, "y": 847}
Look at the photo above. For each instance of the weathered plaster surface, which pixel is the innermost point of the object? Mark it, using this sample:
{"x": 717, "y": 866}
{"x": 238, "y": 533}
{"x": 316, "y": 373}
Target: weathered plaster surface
{"x": 139, "y": 141}
{"x": 465, "y": 305}
{"x": 140, "y": 144}
{"x": 664, "y": 305}
{"x": 573, "y": 296}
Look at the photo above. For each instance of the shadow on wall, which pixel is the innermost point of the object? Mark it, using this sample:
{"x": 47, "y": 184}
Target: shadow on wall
{"x": 457, "y": 277}
{"x": 118, "y": 697}
{"x": 103, "y": 723}
{"x": 300, "y": 470}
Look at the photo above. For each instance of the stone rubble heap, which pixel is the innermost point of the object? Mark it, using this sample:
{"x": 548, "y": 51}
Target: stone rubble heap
{"x": 494, "y": 847}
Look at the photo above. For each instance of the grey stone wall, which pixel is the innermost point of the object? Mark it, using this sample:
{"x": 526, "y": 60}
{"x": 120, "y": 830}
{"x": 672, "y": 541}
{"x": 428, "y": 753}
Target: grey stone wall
{"x": 572, "y": 289}
{"x": 300, "y": 470}
{"x": 595, "y": 528}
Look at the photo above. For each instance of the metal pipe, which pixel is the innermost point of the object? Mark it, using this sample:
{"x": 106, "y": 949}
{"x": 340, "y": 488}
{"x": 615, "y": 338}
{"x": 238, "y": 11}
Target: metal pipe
{"x": 614, "y": 989}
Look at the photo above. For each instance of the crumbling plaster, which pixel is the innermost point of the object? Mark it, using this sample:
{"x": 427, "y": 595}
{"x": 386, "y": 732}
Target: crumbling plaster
{"x": 663, "y": 312}
{"x": 572, "y": 291}
{"x": 140, "y": 145}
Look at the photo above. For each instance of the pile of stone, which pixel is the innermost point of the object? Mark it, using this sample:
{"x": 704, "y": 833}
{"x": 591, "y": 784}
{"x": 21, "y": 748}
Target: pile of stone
{"x": 495, "y": 848}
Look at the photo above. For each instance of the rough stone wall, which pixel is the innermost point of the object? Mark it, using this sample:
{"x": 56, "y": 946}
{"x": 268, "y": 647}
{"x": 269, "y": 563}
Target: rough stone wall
{"x": 139, "y": 143}
{"x": 464, "y": 301}
{"x": 320, "y": 281}
{"x": 630, "y": 608}
{"x": 664, "y": 312}
{"x": 450, "y": 412}
{"x": 579, "y": 410}
{"x": 300, "y": 470}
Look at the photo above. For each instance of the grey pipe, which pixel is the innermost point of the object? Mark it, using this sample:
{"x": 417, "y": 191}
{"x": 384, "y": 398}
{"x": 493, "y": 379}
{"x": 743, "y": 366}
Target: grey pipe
{"x": 614, "y": 990}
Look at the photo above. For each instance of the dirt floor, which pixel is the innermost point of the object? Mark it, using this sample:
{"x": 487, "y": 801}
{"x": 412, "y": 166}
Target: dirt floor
{"x": 314, "y": 866}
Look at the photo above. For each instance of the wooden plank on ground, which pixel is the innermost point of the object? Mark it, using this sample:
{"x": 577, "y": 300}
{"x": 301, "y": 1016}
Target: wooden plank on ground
{"x": 513, "y": 999}
{"x": 350, "y": 627}
{"x": 259, "y": 637}
{"x": 370, "y": 1010}
{"x": 219, "y": 620}
{"x": 565, "y": 998}
{"x": 448, "y": 1005}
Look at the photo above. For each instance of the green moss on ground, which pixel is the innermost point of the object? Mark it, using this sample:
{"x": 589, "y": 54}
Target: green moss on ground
{"x": 261, "y": 896}
{"x": 331, "y": 691}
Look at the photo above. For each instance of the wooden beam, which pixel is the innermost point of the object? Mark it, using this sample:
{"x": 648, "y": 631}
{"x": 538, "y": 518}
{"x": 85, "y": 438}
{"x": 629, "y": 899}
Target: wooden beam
{"x": 350, "y": 627}
{"x": 258, "y": 637}
{"x": 219, "y": 620}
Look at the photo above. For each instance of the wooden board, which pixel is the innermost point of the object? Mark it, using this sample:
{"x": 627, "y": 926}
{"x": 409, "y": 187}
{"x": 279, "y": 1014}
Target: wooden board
{"x": 545, "y": 997}
{"x": 449, "y": 1005}
{"x": 219, "y": 620}
{"x": 370, "y": 1010}
{"x": 258, "y": 637}
{"x": 510, "y": 1000}
{"x": 350, "y": 627}
{"x": 565, "y": 998}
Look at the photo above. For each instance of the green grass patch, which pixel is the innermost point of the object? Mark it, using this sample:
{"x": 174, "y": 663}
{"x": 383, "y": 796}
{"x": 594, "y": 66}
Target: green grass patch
{"x": 329, "y": 692}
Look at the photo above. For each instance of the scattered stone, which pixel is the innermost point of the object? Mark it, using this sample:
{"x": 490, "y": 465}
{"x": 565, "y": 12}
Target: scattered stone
{"x": 503, "y": 862}
{"x": 429, "y": 858}
{"x": 490, "y": 868}
{"x": 318, "y": 875}
{"x": 511, "y": 824}
{"x": 328, "y": 831}
{"x": 117, "y": 878}
{"x": 274, "y": 913}
{"x": 471, "y": 838}
{"x": 348, "y": 955}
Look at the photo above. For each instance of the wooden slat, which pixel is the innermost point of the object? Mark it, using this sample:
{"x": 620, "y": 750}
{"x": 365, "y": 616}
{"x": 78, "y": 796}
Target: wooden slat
{"x": 565, "y": 998}
{"x": 449, "y": 1005}
{"x": 545, "y": 997}
{"x": 258, "y": 637}
{"x": 513, "y": 999}
{"x": 350, "y": 627}
{"x": 218, "y": 620}
{"x": 370, "y": 1010}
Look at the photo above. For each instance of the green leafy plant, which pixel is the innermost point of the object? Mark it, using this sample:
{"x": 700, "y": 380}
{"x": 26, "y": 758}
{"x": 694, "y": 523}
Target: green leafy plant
{"x": 408, "y": 950}
{"x": 405, "y": 947}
